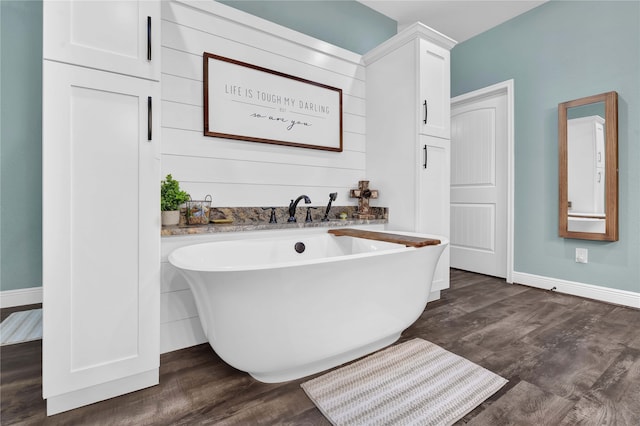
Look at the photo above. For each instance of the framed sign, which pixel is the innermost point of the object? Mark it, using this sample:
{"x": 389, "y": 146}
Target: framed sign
{"x": 251, "y": 103}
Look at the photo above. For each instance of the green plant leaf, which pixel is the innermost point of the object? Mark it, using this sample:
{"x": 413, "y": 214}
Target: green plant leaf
{"x": 171, "y": 196}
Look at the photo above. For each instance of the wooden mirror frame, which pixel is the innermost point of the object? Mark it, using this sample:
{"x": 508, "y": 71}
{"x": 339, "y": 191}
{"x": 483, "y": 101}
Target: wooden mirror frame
{"x": 610, "y": 100}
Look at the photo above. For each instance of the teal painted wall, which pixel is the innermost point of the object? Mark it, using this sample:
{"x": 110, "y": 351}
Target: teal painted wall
{"x": 21, "y": 145}
{"x": 348, "y": 24}
{"x": 557, "y": 52}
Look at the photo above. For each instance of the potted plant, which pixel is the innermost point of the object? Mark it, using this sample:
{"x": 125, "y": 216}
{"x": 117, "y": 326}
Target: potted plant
{"x": 171, "y": 197}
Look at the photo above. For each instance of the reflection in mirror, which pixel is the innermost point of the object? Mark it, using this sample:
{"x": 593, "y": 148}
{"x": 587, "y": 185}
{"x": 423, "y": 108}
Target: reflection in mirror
{"x": 585, "y": 168}
{"x": 588, "y": 167}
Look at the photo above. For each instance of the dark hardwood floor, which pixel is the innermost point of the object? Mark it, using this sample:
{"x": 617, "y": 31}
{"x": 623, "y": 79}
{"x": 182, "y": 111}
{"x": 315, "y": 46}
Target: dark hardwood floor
{"x": 568, "y": 360}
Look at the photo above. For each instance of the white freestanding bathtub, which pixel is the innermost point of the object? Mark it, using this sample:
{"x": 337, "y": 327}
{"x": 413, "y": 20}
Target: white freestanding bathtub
{"x": 280, "y": 315}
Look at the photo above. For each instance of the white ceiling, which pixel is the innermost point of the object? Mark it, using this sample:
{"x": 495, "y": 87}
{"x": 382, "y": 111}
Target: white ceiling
{"x": 458, "y": 19}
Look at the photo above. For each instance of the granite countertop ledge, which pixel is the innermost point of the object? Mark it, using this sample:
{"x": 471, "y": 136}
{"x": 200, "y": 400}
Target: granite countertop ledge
{"x": 255, "y": 219}
{"x": 232, "y": 227}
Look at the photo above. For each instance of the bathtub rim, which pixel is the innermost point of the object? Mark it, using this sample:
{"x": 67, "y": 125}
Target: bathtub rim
{"x": 178, "y": 263}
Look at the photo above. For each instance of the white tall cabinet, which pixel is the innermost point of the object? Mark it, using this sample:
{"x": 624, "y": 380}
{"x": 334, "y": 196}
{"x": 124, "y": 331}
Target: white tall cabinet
{"x": 101, "y": 224}
{"x": 408, "y": 133}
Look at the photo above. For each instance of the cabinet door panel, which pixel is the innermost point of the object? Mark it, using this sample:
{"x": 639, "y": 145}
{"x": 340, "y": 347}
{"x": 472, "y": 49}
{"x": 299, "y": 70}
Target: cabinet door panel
{"x": 434, "y": 186}
{"x": 433, "y": 195}
{"x": 434, "y": 90}
{"x": 107, "y": 35}
{"x": 100, "y": 228}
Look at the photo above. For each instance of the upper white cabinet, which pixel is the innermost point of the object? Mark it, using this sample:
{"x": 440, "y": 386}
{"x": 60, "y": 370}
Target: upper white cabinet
{"x": 434, "y": 83}
{"x": 408, "y": 131}
{"x": 118, "y": 36}
{"x": 101, "y": 221}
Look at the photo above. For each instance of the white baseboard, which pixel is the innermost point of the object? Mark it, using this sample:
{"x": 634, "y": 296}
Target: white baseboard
{"x": 590, "y": 291}
{"x": 19, "y": 297}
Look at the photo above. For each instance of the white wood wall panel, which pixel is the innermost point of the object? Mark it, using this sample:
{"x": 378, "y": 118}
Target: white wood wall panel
{"x": 195, "y": 42}
{"x": 180, "y": 334}
{"x": 189, "y": 65}
{"x": 181, "y": 64}
{"x": 182, "y": 116}
{"x": 202, "y": 169}
{"x": 177, "y": 305}
{"x": 355, "y": 141}
{"x": 191, "y": 144}
{"x": 353, "y": 123}
{"x": 242, "y": 173}
{"x": 182, "y": 90}
{"x": 171, "y": 280}
{"x": 179, "y": 322}
{"x": 288, "y": 43}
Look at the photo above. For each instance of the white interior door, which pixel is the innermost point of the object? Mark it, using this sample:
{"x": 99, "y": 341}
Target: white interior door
{"x": 479, "y": 129}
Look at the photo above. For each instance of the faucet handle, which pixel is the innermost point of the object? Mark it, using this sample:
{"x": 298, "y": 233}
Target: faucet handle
{"x": 272, "y": 218}
{"x": 308, "y": 218}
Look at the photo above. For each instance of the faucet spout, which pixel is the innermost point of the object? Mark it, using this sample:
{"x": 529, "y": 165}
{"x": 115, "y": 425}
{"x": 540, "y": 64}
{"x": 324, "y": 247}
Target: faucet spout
{"x": 294, "y": 204}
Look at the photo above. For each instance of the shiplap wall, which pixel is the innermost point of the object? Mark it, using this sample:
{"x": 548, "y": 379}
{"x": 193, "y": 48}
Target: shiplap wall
{"x": 238, "y": 173}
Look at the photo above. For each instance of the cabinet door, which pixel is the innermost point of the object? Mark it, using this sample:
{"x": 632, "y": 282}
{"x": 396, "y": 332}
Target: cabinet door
{"x": 119, "y": 36}
{"x": 434, "y": 197}
{"x": 435, "y": 97}
{"x": 101, "y": 228}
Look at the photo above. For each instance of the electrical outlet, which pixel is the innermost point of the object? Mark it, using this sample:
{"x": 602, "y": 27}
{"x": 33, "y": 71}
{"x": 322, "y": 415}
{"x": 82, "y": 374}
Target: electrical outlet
{"x": 582, "y": 255}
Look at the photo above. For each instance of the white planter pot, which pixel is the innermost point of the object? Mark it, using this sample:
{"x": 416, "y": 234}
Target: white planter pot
{"x": 170, "y": 218}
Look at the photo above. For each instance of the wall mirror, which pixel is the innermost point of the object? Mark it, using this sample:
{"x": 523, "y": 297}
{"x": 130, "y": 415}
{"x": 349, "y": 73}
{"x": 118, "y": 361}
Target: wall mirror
{"x": 588, "y": 169}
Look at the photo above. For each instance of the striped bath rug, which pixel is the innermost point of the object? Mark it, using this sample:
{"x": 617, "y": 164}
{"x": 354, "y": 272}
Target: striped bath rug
{"x": 416, "y": 382}
{"x": 22, "y": 326}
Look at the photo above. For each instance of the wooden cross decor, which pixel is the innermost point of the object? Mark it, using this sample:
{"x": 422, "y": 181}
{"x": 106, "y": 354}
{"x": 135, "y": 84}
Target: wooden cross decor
{"x": 363, "y": 194}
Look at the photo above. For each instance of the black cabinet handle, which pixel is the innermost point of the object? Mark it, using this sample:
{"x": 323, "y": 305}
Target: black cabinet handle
{"x": 424, "y": 165}
{"x": 149, "y": 118}
{"x": 426, "y": 111}
{"x": 148, "y": 38}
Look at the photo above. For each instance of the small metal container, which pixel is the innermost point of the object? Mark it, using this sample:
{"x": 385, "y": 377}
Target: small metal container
{"x": 198, "y": 211}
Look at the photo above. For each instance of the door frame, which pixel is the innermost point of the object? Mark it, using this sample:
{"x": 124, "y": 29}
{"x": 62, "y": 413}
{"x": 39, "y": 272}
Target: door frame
{"x": 505, "y": 87}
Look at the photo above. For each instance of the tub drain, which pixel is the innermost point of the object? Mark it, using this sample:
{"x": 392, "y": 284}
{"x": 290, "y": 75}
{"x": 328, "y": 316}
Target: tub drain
{"x": 299, "y": 247}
